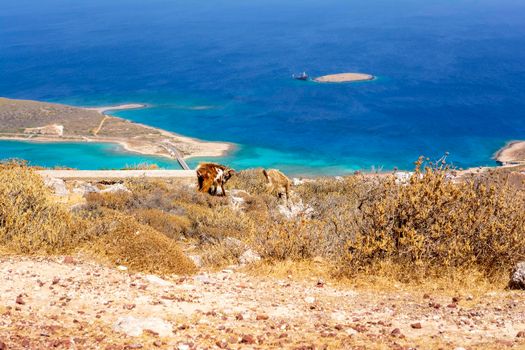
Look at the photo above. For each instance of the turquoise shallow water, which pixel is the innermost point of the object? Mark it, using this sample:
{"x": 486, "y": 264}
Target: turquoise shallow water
{"x": 78, "y": 155}
{"x": 450, "y": 75}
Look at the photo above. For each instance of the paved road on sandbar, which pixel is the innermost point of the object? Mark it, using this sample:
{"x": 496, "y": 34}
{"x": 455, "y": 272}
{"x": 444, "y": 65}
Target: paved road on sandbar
{"x": 116, "y": 174}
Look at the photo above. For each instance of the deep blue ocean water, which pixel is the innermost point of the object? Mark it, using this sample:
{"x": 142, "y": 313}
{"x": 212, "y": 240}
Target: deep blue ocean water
{"x": 450, "y": 75}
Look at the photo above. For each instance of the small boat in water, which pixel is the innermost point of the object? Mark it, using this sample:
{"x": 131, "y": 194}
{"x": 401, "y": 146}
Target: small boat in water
{"x": 302, "y": 76}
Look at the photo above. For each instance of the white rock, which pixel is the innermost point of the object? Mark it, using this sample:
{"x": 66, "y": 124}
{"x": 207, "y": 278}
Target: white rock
{"x": 403, "y": 177}
{"x": 183, "y": 347}
{"x": 157, "y": 280}
{"x": 309, "y": 300}
{"x": 249, "y": 257}
{"x": 134, "y": 327}
{"x": 85, "y": 188}
{"x": 350, "y": 331}
{"x": 197, "y": 260}
{"x": 57, "y": 185}
{"x": 297, "y": 182}
{"x": 122, "y": 268}
{"x": 115, "y": 188}
{"x": 338, "y": 316}
{"x": 238, "y": 198}
{"x": 294, "y": 210}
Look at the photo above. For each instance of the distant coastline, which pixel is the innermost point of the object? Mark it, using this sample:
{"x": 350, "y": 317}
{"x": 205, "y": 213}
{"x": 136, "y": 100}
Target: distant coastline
{"x": 33, "y": 121}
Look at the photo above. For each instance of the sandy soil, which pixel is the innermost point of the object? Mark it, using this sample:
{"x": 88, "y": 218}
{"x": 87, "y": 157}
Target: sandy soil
{"x": 67, "y": 303}
{"x": 343, "y": 78}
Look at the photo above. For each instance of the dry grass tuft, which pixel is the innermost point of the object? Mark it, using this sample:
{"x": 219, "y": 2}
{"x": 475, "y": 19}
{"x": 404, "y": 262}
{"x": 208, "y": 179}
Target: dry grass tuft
{"x": 126, "y": 242}
{"x": 30, "y": 221}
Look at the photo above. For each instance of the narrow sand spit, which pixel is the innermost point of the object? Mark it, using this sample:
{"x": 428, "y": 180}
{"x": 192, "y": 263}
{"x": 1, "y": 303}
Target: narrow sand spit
{"x": 344, "y": 78}
{"x": 105, "y": 109}
{"x": 67, "y": 303}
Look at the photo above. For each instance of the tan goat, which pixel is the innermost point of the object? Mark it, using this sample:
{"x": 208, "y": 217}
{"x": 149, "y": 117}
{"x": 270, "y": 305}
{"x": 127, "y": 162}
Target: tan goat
{"x": 277, "y": 182}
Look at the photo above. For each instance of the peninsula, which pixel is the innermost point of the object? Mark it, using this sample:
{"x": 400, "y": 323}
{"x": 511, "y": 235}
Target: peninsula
{"x": 50, "y": 122}
{"x": 344, "y": 78}
{"x": 512, "y": 153}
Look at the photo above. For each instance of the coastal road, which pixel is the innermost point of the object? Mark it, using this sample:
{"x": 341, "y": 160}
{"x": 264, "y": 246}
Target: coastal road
{"x": 116, "y": 174}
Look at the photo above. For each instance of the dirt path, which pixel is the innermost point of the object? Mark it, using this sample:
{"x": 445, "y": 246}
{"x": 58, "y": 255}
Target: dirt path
{"x": 68, "y": 304}
{"x": 97, "y": 130}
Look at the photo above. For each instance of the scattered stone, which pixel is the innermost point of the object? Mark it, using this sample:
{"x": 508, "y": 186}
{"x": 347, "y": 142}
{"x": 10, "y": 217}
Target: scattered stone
{"x": 134, "y": 327}
{"x": 158, "y": 281}
{"x": 297, "y": 182}
{"x": 249, "y": 257}
{"x": 3, "y": 346}
{"x": 122, "y": 268}
{"x": 248, "y": 339}
{"x": 455, "y": 300}
{"x": 521, "y": 334}
{"x": 20, "y": 300}
{"x": 115, "y": 188}
{"x": 68, "y": 260}
{"x": 452, "y": 306}
{"x": 517, "y": 278}
{"x": 85, "y": 188}
{"x": 320, "y": 283}
{"x": 197, "y": 260}
{"x": 57, "y": 185}
{"x": 416, "y": 325}
{"x": 396, "y": 332}
{"x": 350, "y": 331}
{"x": 262, "y": 317}
{"x": 309, "y": 300}
{"x": 426, "y": 296}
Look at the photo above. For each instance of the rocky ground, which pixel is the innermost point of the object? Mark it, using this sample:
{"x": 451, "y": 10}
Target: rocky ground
{"x": 67, "y": 303}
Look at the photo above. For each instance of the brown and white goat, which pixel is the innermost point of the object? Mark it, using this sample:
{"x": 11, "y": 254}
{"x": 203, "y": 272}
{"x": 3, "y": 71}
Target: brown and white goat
{"x": 211, "y": 176}
{"x": 277, "y": 182}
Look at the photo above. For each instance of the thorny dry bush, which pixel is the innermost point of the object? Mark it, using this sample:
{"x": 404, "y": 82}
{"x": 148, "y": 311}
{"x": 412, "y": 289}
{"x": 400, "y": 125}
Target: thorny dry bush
{"x": 32, "y": 222}
{"x": 430, "y": 224}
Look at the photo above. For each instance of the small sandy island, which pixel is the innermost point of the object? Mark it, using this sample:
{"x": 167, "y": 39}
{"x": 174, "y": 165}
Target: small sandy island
{"x": 512, "y": 153}
{"x": 344, "y": 78}
{"x": 50, "y": 122}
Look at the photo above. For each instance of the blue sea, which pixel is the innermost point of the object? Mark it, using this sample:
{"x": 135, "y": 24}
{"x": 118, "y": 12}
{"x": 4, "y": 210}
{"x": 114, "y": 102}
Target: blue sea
{"x": 450, "y": 77}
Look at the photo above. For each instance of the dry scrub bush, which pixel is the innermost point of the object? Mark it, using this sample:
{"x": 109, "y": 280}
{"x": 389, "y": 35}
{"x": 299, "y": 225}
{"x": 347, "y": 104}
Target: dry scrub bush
{"x": 30, "y": 221}
{"x": 173, "y": 226}
{"x": 434, "y": 224}
{"x": 295, "y": 240}
{"x": 124, "y": 241}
